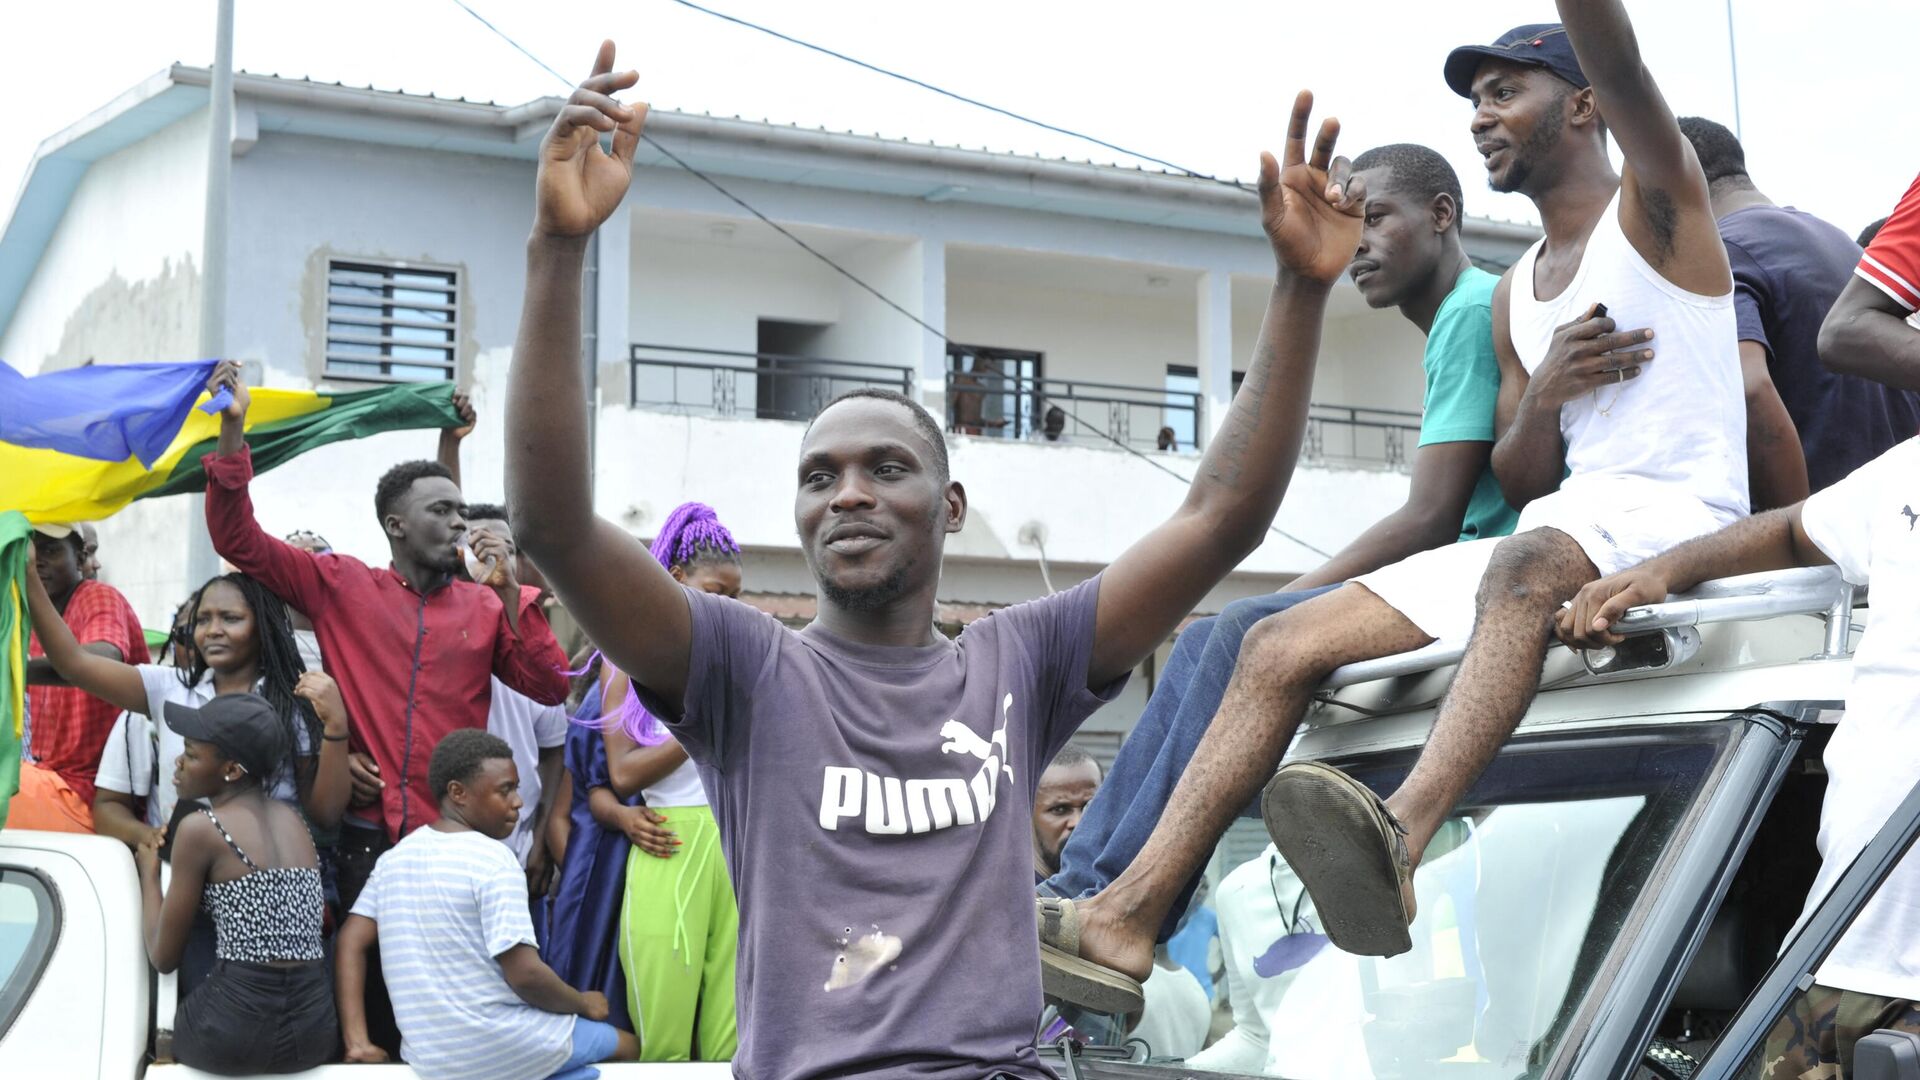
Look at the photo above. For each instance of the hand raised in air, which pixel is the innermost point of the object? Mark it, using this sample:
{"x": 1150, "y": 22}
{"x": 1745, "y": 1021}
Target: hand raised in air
{"x": 1313, "y": 222}
{"x": 580, "y": 183}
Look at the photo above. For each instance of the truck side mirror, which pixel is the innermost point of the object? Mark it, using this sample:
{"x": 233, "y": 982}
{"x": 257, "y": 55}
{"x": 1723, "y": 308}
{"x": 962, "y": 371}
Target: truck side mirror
{"x": 1887, "y": 1055}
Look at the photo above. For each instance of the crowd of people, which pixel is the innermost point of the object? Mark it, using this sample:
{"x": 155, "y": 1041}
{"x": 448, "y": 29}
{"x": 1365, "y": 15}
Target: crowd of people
{"x": 691, "y": 832}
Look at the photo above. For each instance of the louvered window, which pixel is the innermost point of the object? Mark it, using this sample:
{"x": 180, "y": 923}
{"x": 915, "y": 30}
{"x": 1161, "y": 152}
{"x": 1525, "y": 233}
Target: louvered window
{"x": 392, "y": 322}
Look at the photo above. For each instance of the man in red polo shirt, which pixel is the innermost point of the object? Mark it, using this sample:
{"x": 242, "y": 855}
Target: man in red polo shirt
{"x": 67, "y": 727}
{"x": 411, "y": 646}
{"x": 1871, "y": 330}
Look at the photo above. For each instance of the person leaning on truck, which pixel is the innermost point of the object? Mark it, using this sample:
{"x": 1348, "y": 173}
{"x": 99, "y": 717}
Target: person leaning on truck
{"x": 1864, "y": 525}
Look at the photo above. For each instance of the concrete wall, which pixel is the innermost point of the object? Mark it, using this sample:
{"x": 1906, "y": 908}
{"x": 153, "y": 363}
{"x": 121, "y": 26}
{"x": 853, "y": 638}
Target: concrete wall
{"x": 120, "y": 279}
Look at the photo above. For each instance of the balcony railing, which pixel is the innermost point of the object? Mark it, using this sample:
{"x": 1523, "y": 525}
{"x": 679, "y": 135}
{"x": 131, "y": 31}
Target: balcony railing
{"x": 766, "y": 386}
{"x": 1350, "y": 434}
{"x": 1008, "y": 406}
{"x": 773, "y": 386}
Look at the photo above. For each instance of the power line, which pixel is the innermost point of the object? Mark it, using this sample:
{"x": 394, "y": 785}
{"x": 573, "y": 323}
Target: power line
{"x": 977, "y": 103}
{"x": 848, "y": 274}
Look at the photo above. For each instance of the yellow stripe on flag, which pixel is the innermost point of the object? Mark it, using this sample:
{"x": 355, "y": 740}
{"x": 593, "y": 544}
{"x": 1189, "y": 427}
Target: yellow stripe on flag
{"x": 47, "y": 485}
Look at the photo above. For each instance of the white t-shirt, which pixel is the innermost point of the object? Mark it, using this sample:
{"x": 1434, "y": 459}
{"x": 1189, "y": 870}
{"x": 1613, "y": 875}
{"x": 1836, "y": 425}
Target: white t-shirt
{"x": 448, "y": 904}
{"x": 528, "y": 727}
{"x": 1865, "y": 524}
{"x": 127, "y": 762}
{"x": 681, "y": 787}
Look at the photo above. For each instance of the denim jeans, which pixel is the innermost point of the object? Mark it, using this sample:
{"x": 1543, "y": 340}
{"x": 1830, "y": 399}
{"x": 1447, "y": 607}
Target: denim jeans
{"x": 1125, "y": 810}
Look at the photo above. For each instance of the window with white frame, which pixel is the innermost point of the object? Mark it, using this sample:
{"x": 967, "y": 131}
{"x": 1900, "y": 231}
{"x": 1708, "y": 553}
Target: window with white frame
{"x": 392, "y": 321}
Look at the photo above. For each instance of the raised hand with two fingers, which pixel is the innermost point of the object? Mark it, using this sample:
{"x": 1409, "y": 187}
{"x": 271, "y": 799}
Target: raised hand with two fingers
{"x": 1313, "y": 222}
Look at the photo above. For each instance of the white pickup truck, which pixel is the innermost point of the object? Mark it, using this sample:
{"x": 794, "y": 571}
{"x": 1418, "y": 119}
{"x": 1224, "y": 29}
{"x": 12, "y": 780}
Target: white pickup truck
{"x": 77, "y": 996}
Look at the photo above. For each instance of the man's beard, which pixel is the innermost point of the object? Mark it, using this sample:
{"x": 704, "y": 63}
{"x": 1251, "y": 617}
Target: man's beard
{"x": 1540, "y": 142}
{"x": 869, "y": 598}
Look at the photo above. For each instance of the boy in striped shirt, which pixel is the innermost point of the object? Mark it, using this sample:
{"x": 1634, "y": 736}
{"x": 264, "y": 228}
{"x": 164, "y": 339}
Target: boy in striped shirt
{"x": 448, "y": 907}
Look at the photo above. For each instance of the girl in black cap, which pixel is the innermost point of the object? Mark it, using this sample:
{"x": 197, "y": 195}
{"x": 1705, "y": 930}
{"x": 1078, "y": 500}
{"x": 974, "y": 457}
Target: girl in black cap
{"x": 250, "y": 861}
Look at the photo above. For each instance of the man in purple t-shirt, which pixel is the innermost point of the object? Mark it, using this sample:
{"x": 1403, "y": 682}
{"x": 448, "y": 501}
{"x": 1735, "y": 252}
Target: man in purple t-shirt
{"x": 873, "y": 780}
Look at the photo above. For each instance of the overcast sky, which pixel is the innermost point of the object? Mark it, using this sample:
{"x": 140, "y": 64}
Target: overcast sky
{"x": 1824, "y": 87}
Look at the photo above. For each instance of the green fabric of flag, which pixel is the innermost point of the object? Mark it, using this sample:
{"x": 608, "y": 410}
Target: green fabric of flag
{"x": 16, "y": 562}
{"x": 354, "y": 415}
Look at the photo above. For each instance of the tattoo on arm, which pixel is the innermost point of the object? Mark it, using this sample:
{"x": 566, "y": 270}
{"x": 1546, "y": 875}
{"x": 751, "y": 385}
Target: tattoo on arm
{"x": 1252, "y": 395}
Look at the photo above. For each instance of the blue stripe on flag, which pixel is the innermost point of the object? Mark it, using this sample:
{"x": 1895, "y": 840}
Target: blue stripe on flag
{"x": 107, "y": 412}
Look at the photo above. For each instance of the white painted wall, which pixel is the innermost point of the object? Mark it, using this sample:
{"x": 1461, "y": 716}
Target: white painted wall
{"x": 1085, "y": 335}
{"x": 119, "y": 280}
{"x": 1092, "y": 502}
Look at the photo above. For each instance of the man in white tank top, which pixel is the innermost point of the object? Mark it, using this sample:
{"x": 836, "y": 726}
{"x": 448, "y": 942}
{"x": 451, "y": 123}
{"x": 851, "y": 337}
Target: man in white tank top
{"x": 1653, "y": 452}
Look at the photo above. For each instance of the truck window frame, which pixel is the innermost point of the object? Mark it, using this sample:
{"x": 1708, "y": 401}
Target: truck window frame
{"x": 18, "y": 988}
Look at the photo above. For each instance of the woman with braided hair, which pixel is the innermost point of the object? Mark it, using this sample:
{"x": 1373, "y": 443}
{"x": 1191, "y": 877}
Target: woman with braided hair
{"x": 679, "y": 925}
{"x": 242, "y": 643}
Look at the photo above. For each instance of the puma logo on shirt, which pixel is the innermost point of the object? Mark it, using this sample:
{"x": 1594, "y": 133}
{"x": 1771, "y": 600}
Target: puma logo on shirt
{"x": 1911, "y": 516}
{"x": 891, "y": 806}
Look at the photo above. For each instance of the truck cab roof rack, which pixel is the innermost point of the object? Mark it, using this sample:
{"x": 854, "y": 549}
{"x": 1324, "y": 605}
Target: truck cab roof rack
{"x": 1801, "y": 591}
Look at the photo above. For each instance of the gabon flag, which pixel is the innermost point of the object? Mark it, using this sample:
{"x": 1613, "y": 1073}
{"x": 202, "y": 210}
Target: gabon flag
{"x": 80, "y": 444}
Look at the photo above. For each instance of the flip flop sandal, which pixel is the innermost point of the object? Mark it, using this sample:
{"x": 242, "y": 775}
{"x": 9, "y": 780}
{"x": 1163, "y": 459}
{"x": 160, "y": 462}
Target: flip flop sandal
{"x": 1350, "y": 853}
{"x": 1064, "y": 975}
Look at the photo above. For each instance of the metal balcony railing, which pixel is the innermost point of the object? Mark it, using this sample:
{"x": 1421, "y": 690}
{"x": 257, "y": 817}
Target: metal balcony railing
{"x": 1008, "y": 406}
{"x": 775, "y": 386}
{"x": 1352, "y": 434}
{"x": 766, "y": 386}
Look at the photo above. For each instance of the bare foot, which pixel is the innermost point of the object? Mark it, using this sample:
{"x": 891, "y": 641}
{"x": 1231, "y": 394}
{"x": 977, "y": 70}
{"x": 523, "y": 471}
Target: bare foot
{"x": 1107, "y": 940}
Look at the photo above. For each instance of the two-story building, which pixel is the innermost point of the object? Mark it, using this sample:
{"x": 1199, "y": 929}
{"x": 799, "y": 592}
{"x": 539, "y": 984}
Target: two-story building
{"x": 1066, "y": 318}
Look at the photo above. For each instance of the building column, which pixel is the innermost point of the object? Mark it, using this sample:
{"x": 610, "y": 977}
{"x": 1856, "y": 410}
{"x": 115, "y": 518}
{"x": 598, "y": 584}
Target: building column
{"x": 1213, "y": 350}
{"x": 932, "y": 382}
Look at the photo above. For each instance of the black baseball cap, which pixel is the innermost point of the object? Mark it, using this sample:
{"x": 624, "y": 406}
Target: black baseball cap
{"x": 243, "y": 726}
{"x": 1542, "y": 45}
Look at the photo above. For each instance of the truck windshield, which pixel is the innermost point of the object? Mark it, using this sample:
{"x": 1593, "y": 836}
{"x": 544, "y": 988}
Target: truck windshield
{"x": 1521, "y": 897}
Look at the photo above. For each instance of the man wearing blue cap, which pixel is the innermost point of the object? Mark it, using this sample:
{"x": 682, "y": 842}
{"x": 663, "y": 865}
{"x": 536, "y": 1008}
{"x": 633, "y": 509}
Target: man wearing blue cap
{"x": 1654, "y": 452}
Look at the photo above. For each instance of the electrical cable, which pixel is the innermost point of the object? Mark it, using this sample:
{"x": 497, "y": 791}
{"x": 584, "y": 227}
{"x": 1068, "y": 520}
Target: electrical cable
{"x": 977, "y": 103}
{"x": 848, "y": 274}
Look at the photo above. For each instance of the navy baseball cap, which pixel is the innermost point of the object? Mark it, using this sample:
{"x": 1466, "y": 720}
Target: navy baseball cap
{"x": 1542, "y": 45}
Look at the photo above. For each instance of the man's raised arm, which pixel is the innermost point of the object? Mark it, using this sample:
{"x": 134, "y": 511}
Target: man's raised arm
{"x": 1312, "y": 214}
{"x": 625, "y": 600}
{"x": 291, "y": 573}
{"x": 1665, "y": 210}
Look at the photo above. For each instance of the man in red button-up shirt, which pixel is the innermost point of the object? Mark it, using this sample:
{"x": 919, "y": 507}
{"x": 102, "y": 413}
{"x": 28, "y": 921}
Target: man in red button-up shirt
{"x": 410, "y": 645}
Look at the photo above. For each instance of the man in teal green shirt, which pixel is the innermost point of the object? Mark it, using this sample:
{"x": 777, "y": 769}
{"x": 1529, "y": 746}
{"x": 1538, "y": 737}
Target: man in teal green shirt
{"x": 1410, "y": 257}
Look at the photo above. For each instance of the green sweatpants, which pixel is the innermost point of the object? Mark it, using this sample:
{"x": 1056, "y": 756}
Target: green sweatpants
{"x": 679, "y": 932}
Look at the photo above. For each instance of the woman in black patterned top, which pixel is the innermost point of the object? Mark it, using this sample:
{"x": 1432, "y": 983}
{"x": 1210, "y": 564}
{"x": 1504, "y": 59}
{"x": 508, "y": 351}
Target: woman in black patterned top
{"x": 268, "y": 1006}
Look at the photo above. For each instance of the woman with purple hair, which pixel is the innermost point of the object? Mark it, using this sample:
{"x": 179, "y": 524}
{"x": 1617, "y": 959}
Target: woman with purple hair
{"x": 679, "y": 926}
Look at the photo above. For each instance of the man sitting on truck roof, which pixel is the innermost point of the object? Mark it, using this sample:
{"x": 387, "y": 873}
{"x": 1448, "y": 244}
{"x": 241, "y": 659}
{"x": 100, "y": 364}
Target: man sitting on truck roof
{"x": 1411, "y": 257}
{"x": 872, "y": 779}
{"x": 1654, "y": 452}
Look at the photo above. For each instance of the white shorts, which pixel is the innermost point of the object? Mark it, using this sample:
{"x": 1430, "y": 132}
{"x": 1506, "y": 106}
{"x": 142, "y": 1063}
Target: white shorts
{"x": 1617, "y": 521}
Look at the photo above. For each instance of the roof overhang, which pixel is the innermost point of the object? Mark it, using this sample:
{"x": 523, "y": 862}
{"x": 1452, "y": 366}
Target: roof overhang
{"x": 727, "y": 147}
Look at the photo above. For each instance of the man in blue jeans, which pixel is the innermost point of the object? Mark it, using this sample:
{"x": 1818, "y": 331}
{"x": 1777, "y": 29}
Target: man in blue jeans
{"x": 1411, "y": 256}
